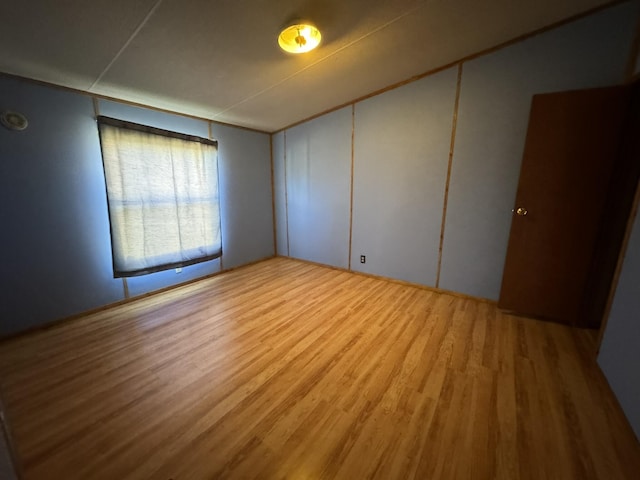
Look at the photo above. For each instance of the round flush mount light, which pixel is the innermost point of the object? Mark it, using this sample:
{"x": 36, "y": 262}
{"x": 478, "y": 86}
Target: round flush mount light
{"x": 300, "y": 37}
{"x": 13, "y": 120}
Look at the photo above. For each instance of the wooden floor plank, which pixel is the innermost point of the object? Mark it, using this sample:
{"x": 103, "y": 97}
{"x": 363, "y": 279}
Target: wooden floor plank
{"x": 285, "y": 369}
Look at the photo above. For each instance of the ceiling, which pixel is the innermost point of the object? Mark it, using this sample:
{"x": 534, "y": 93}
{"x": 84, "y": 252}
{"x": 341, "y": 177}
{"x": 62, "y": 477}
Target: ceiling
{"x": 219, "y": 59}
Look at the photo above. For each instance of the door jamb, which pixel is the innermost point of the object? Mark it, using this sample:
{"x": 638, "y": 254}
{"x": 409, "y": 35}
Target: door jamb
{"x": 616, "y": 274}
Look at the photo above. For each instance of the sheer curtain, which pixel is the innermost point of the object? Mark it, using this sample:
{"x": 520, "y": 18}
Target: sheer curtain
{"x": 162, "y": 190}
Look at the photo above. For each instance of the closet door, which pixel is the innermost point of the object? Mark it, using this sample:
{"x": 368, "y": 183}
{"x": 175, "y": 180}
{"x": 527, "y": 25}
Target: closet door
{"x": 570, "y": 155}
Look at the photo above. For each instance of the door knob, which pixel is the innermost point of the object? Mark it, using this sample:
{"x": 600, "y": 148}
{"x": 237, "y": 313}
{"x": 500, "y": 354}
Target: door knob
{"x": 521, "y": 211}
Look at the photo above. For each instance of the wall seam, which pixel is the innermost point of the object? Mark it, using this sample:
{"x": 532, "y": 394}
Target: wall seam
{"x": 273, "y": 198}
{"x": 96, "y": 111}
{"x": 126, "y": 44}
{"x": 461, "y": 60}
{"x": 125, "y": 288}
{"x": 286, "y": 190}
{"x": 210, "y": 132}
{"x": 353, "y": 123}
{"x": 454, "y": 125}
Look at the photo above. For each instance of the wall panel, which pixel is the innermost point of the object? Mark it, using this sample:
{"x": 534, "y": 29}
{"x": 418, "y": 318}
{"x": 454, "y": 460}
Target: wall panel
{"x": 56, "y": 253}
{"x": 318, "y": 170}
{"x": 245, "y": 195}
{"x": 282, "y": 244}
{"x": 55, "y": 236}
{"x": 401, "y": 151}
{"x": 492, "y": 122}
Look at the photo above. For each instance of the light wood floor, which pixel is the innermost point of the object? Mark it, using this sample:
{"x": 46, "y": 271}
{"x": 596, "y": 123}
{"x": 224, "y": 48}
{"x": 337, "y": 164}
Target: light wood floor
{"x": 290, "y": 370}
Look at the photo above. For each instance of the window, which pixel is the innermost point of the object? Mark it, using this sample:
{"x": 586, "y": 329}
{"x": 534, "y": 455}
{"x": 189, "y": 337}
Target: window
{"x": 162, "y": 191}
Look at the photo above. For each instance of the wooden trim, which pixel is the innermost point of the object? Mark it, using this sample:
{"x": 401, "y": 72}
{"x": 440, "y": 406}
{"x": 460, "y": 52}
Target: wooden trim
{"x": 342, "y": 105}
{"x": 286, "y": 187}
{"x": 454, "y": 125}
{"x": 161, "y": 132}
{"x": 616, "y": 274}
{"x": 395, "y": 280}
{"x": 125, "y": 287}
{"x": 96, "y": 106}
{"x": 273, "y": 198}
{"x": 633, "y": 55}
{"x": 466, "y": 58}
{"x": 431, "y": 289}
{"x": 126, "y": 102}
{"x": 210, "y": 132}
{"x": 369, "y": 95}
{"x": 71, "y": 318}
{"x": 353, "y": 129}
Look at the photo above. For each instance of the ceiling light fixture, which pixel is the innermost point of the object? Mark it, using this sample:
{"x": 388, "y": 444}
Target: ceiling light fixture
{"x": 300, "y": 37}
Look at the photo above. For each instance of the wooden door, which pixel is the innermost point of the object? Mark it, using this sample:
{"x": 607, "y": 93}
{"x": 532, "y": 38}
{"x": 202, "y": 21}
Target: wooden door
{"x": 570, "y": 154}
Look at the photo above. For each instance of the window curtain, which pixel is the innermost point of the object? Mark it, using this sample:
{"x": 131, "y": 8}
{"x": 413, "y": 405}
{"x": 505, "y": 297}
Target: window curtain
{"x": 162, "y": 191}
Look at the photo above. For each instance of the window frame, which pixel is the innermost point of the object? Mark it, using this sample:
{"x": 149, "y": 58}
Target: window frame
{"x": 119, "y": 272}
